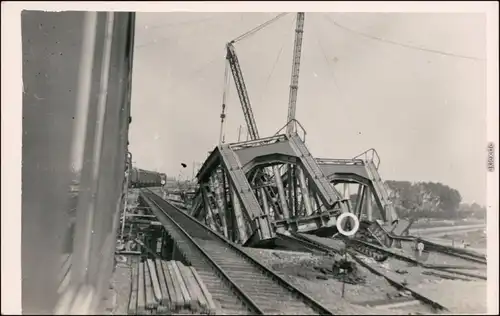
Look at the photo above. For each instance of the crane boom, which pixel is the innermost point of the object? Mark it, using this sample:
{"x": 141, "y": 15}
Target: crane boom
{"x": 249, "y": 118}
{"x": 242, "y": 91}
{"x": 294, "y": 84}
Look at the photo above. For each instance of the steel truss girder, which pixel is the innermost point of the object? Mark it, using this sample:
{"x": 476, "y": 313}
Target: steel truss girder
{"x": 362, "y": 171}
{"x": 356, "y": 178}
{"x": 303, "y": 222}
{"x": 253, "y": 157}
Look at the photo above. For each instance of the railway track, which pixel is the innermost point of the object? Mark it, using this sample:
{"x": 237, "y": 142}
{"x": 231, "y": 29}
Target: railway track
{"x": 375, "y": 251}
{"x": 463, "y": 254}
{"x": 354, "y": 249}
{"x": 375, "y": 242}
{"x": 380, "y": 254}
{"x": 238, "y": 282}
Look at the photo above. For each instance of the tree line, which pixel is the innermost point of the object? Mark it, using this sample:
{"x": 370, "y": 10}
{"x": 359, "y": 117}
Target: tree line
{"x": 431, "y": 200}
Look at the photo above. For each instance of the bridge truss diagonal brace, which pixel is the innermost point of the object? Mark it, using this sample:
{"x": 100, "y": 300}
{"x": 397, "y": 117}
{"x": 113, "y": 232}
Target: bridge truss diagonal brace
{"x": 329, "y": 195}
{"x": 368, "y": 189}
{"x": 358, "y": 172}
{"x": 289, "y": 149}
{"x": 250, "y": 206}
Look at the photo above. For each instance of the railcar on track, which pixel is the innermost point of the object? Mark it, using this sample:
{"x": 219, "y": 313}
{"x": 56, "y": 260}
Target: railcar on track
{"x": 140, "y": 178}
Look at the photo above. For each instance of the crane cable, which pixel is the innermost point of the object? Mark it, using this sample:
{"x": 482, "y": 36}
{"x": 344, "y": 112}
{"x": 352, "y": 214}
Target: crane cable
{"x": 342, "y": 100}
{"x": 226, "y": 89}
{"x": 258, "y": 28}
{"x": 225, "y": 95}
{"x": 275, "y": 63}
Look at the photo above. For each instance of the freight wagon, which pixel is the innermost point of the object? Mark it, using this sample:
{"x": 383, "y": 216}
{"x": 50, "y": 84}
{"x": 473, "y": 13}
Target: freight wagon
{"x": 140, "y": 178}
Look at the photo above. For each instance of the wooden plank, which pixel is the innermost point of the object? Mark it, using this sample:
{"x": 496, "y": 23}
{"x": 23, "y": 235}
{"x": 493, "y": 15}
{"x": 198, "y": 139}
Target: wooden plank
{"x": 154, "y": 280}
{"x": 165, "y": 296}
{"x": 151, "y": 302}
{"x": 176, "y": 299}
{"x": 132, "y": 303}
{"x": 182, "y": 284}
{"x": 177, "y": 285}
{"x": 198, "y": 301}
{"x": 212, "y": 309}
{"x": 141, "y": 294}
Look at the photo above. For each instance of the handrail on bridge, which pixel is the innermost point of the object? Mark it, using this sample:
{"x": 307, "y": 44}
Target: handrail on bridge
{"x": 370, "y": 155}
{"x": 252, "y": 143}
{"x": 340, "y": 161}
{"x": 297, "y": 123}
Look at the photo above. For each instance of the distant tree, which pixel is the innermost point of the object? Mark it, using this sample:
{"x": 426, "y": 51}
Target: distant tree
{"x": 473, "y": 210}
{"x": 427, "y": 200}
{"x": 424, "y": 199}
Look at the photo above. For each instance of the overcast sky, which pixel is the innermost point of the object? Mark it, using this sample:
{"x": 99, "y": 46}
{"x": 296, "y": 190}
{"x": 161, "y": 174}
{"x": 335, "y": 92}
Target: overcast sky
{"x": 424, "y": 112}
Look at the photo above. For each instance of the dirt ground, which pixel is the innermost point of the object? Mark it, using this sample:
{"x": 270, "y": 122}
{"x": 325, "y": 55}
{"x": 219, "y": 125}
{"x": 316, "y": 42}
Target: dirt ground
{"x": 459, "y": 296}
{"x": 313, "y": 274}
{"x": 303, "y": 270}
{"x": 119, "y": 291}
{"x": 476, "y": 239}
{"x": 307, "y": 272}
{"x": 297, "y": 269}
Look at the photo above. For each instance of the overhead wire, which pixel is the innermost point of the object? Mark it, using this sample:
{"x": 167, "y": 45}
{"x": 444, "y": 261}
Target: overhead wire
{"x": 197, "y": 70}
{"x": 193, "y": 23}
{"x": 392, "y": 42}
{"x": 323, "y": 53}
{"x": 275, "y": 62}
{"x": 168, "y": 25}
{"x": 331, "y": 70}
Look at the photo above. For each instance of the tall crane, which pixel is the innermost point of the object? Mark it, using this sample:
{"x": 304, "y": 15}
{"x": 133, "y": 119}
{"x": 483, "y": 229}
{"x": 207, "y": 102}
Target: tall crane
{"x": 294, "y": 82}
{"x": 234, "y": 64}
{"x": 248, "y": 113}
{"x": 239, "y": 82}
{"x": 242, "y": 90}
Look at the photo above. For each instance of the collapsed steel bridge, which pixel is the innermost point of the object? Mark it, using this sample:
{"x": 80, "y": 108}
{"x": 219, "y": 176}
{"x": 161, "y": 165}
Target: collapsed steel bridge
{"x": 303, "y": 198}
{"x": 249, "y": 191}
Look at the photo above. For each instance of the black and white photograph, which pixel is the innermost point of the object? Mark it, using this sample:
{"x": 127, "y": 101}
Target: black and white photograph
{"x": 254, "y": 162}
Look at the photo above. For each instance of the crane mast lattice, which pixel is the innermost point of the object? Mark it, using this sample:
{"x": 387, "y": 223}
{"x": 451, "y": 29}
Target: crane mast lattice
{"x": 294, "y": 82}
{"x": 242, "y": 91}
